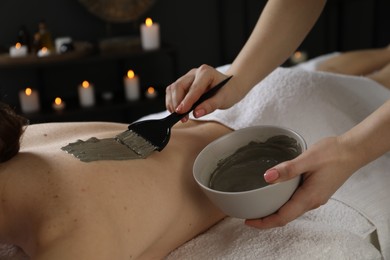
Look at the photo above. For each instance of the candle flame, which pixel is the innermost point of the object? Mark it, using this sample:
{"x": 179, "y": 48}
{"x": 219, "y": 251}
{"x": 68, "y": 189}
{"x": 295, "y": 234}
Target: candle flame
{"x": 58, "y": 101}
{"x": 44, "y": 50}
{"x": 151, "y": 90}
{"x": 149, "y": 22}
{"x": 85, "y": 84}
{"x": 28, "y": 91}
{"x": 298, "y": 54}
{"x": 18, "y": 45}
{"x": 130, "y": 74}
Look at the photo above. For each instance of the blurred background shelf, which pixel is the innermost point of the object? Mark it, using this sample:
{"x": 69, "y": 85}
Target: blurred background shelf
{"x": 59, "y": 76}
{"x": 195, "y": 32}
{"x": 120, "y": 111}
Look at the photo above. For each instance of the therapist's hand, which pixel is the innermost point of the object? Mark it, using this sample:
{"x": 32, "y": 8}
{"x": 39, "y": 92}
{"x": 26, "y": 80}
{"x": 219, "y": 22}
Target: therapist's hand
{"x": 184, "y": 92}
{"x": 324, "y": 167}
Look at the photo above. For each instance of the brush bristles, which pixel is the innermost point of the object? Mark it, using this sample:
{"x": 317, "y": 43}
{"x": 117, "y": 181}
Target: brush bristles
{"x": 136, "y": 143}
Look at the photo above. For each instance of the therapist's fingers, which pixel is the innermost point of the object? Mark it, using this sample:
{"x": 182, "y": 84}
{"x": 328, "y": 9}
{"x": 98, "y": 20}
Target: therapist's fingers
{"x": 325, "y": 172}
{"x": 206, "y": 77}
{"x": 298, "y": 204}
{"x": 176, "y": 92}
{"x": 305, "y": 198}
{"x": 289, "y": 169}
{"x": 308, "y": 196}
{"x": 313, "y": 193}
{"x": 184, "y": 92}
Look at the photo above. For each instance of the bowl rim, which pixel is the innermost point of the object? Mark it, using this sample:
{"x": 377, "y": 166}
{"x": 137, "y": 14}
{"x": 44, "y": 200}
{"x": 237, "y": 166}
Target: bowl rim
{"x": 247, "y": 191}
{"x": 270, "y": 185}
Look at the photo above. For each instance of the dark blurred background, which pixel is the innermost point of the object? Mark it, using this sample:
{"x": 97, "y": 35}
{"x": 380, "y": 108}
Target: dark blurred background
{"x": 192, "y": 33}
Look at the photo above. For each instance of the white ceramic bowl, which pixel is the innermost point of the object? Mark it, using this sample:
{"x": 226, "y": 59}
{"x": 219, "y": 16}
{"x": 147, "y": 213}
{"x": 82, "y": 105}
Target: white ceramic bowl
{"x": 250, "y": 204}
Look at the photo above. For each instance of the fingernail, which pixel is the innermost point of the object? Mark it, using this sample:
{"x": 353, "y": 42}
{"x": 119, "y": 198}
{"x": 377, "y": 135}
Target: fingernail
{"x": 199, "y": 113}
{"x": 179, "y": 108}
{"x": 271, "y": 175}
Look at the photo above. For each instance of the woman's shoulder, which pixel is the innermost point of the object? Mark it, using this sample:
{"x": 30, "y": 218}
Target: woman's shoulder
{"x": 37, "y": 135}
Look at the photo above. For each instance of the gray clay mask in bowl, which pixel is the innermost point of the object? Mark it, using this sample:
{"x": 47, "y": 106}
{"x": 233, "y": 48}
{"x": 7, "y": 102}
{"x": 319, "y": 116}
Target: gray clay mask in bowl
{"x": 230, "y": 170}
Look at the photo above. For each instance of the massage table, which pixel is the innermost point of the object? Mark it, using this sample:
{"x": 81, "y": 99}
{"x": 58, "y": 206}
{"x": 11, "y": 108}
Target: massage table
{"x": 353, "y": 224}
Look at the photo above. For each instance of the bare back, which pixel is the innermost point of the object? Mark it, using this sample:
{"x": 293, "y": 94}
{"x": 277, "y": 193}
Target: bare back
{"x": 56, "y": 206}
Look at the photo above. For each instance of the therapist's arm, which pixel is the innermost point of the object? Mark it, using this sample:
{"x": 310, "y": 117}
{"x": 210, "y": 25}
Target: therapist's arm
{"x": 281, "y": 28}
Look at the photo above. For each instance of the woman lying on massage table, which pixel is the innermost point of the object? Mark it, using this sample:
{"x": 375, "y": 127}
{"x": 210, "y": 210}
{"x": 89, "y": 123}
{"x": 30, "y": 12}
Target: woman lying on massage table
{"x": 54, "y": 206}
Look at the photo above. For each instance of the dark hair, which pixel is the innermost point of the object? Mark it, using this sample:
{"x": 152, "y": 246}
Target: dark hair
{"x": 11, "y": 129}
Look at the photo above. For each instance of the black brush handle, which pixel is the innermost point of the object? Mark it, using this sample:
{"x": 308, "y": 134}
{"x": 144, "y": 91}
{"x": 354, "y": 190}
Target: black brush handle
{"x": 175, "y": 117}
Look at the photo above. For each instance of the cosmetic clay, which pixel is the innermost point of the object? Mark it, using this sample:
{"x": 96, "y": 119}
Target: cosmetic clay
{"x": 95, "y": 149}
{"x": 244, "y": 169}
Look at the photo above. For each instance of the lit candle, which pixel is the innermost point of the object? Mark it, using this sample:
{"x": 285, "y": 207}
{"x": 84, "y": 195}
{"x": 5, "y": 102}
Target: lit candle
{"x": 298, "y": 57}
{"x": 58, "y": 104}
{"x": 18, "y": 50}
{"x": 29, "y": 100}
{"x": 86, "y": 94}
{"x": 43, "y": 52}
{"x": 151, "y": 93}
{"x": 150, "y": 35}
{"x": 132, "y": 89}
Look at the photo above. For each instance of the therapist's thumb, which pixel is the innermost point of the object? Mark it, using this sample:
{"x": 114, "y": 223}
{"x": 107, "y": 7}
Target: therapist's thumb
{"x": 284, "y": 171}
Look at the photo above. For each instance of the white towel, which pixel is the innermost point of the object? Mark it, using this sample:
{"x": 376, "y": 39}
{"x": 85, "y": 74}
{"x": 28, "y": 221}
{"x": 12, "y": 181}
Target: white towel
{"x": 333, "y": 231}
